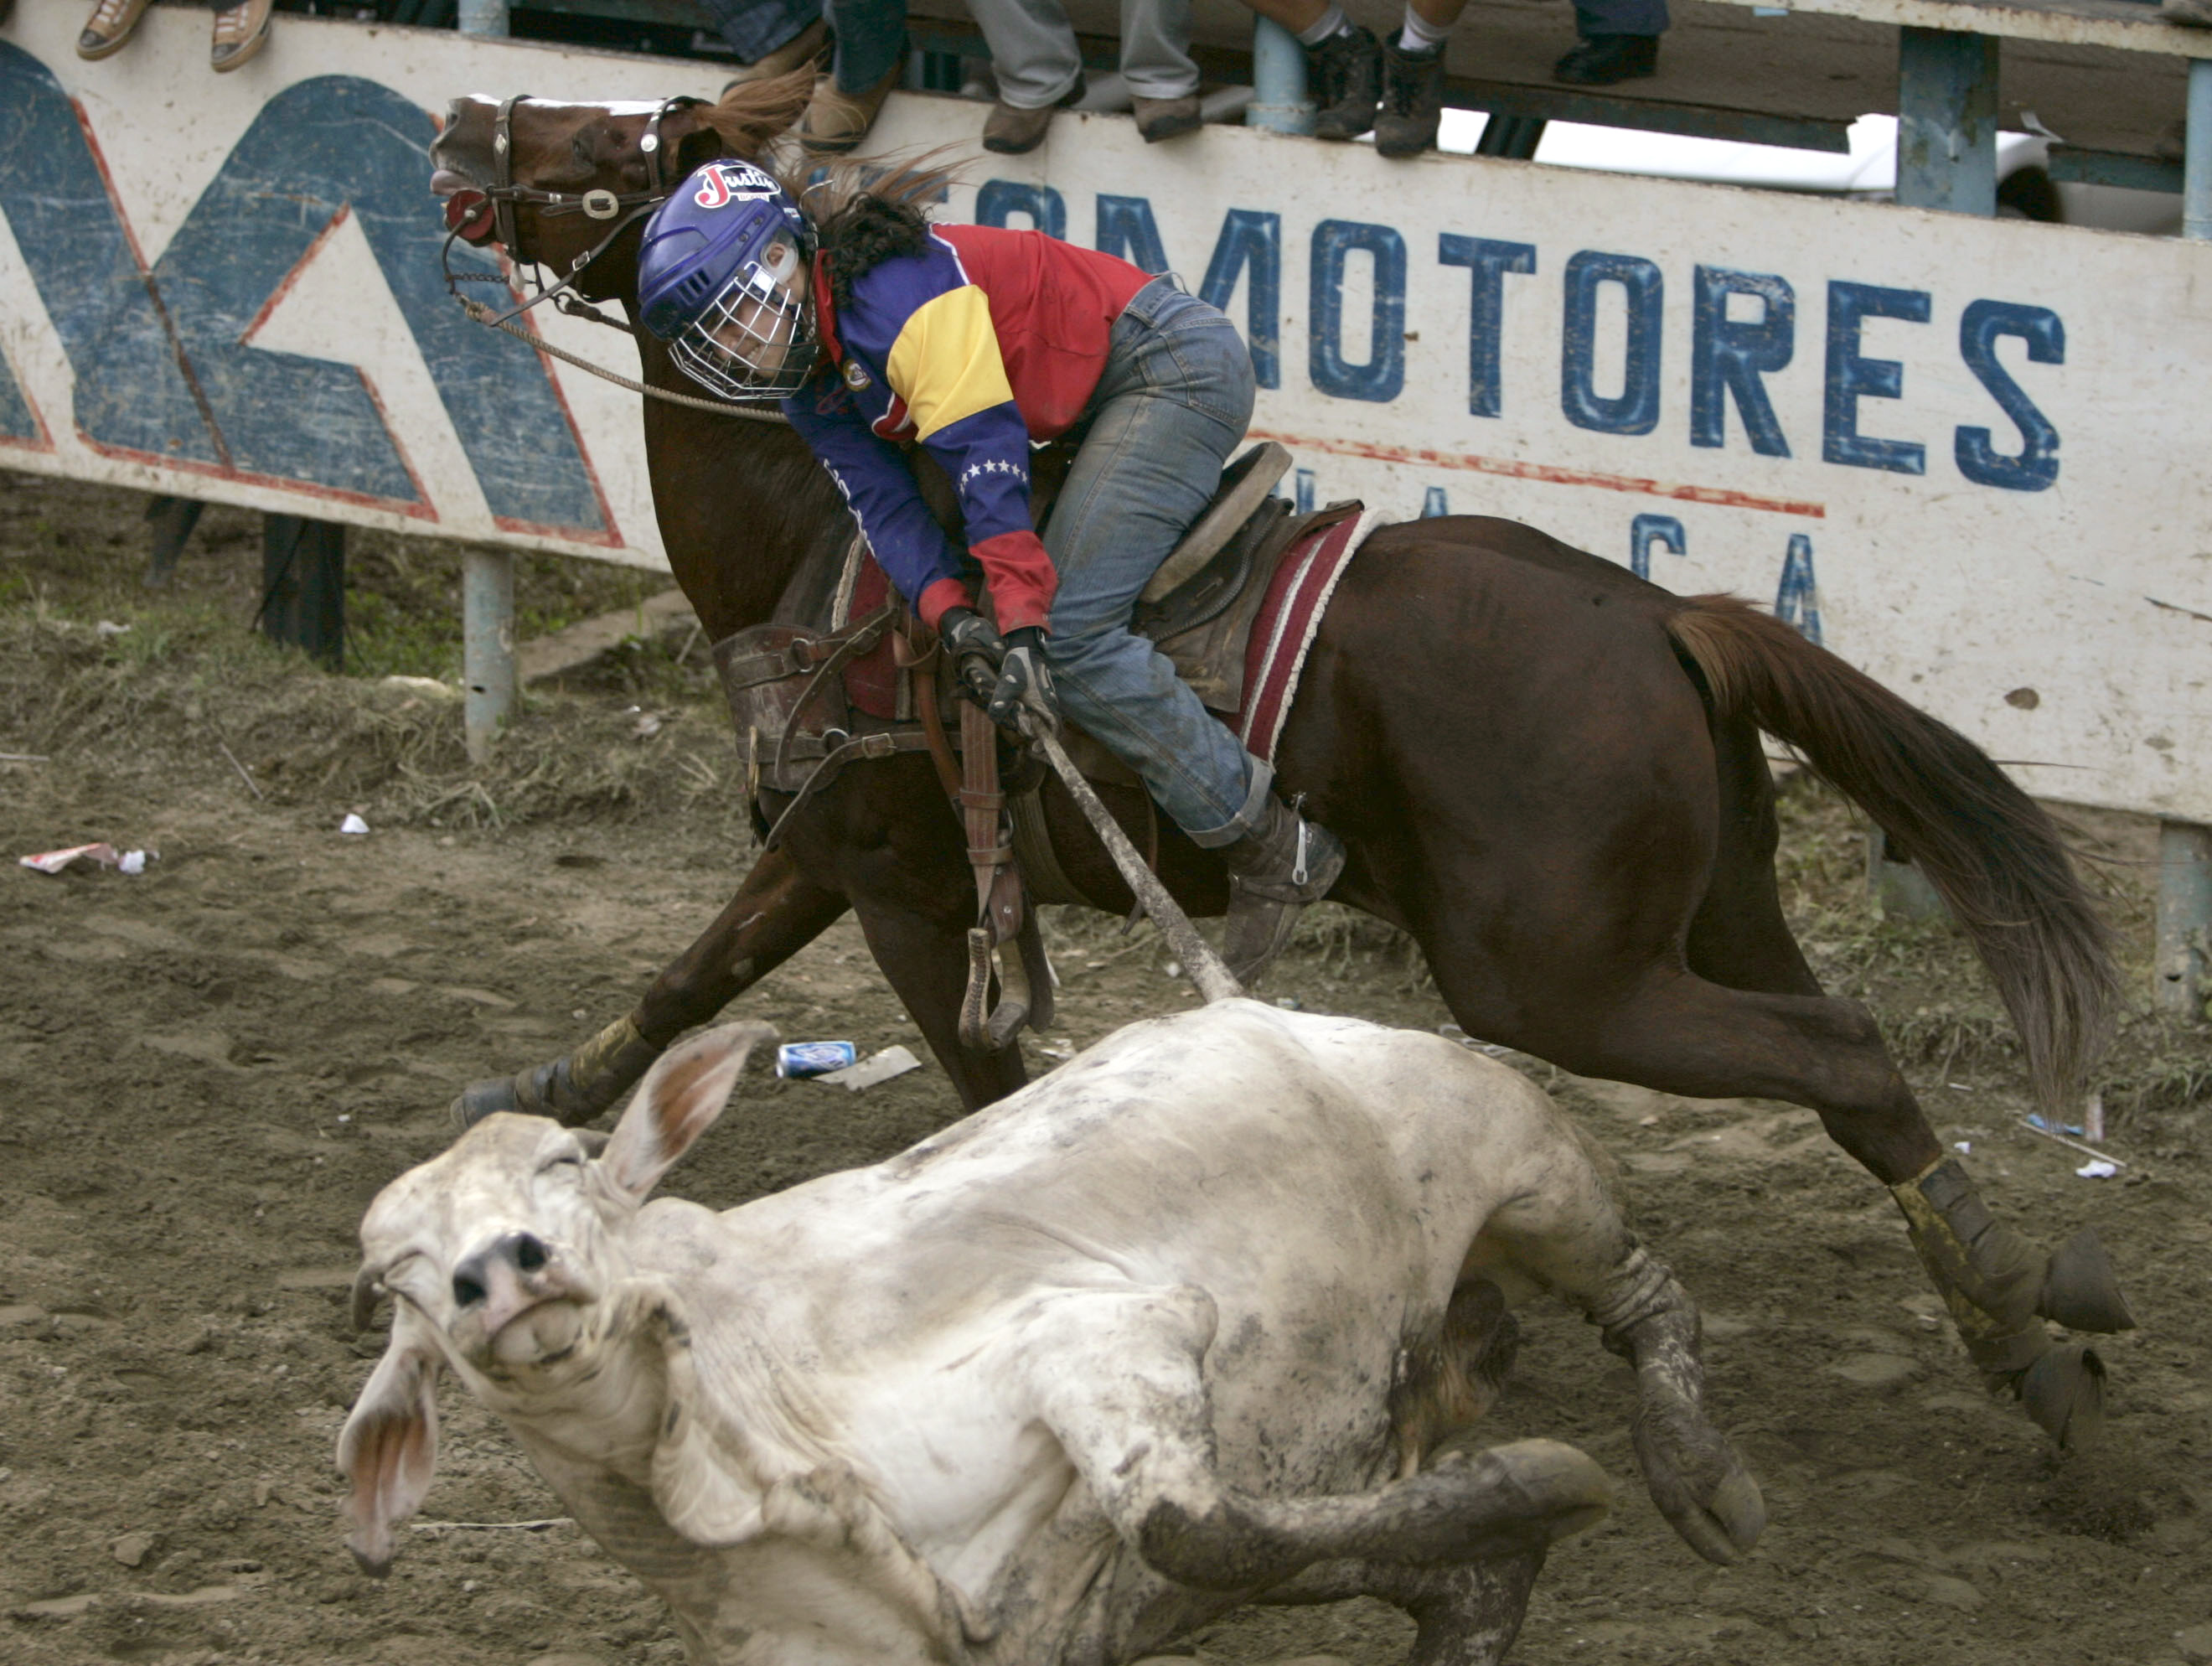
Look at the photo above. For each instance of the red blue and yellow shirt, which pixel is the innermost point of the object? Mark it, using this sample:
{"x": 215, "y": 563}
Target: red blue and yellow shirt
{"x": 986, "y": 340}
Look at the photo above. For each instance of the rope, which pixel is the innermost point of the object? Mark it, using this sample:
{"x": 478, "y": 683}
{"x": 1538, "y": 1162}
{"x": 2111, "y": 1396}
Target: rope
{"x": 482, "y": 314}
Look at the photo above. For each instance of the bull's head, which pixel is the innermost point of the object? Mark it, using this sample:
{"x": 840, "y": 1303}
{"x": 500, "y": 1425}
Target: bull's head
{"x": 506, "y": 1262}
{"x": 620, "y": 147}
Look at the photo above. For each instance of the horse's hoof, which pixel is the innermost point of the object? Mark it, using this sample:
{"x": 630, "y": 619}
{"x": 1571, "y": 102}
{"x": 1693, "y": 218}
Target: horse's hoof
{"x": 2064, "y": 1392}
{"x": 480, "y": 1099}
{"x": 2080, "y": 1289}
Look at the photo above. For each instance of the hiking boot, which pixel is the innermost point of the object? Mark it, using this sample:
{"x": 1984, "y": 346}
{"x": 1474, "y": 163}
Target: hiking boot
{"x": 1166, "y": 118}
{"x": 1013, "y": 131}
{"x": 1413, "y": 99}
{"x": 240, "y": 31}
{"x": 110, "y": 27}
{"x": 1345, "y": 76}
{"x": 1600, "y": 60}
{"x": 2197, "y": 14}
{"x": 836, "y": 121}
{"x": 1273, "y": 874}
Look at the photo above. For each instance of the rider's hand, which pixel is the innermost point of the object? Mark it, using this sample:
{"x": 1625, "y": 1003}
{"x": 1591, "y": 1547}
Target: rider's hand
{"x": 976, "y": 649}
{"x": 1024, "y": 683}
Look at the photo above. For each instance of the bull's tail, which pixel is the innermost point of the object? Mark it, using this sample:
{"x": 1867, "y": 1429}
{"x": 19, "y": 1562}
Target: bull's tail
{"x": 1990, "y": 850}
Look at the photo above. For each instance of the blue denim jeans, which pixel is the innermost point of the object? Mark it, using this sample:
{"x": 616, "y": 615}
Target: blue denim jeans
{"x": 757, "y": 28}
{"x": 871, "y": 39}
{"x": 1173, "y": 402}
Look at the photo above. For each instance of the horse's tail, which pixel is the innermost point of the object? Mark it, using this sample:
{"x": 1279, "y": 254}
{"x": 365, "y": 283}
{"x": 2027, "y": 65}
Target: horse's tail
{"x": 1990, "y": 850}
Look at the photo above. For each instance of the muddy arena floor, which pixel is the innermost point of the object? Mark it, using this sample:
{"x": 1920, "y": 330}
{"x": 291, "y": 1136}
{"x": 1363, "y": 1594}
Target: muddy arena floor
{"x": 207, "y": 1071}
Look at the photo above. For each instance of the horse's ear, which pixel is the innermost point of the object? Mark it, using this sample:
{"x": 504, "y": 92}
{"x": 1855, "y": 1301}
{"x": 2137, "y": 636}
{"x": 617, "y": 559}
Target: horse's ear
{"x": 751, "y": 115}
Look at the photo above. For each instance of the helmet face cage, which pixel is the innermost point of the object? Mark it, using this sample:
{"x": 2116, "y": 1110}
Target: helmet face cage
{"x": 755, "y": 339}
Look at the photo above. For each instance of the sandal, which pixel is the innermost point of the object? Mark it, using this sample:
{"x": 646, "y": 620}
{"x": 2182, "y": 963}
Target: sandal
{"x": 240, "y": 31}
{"x": 110, "y": 27}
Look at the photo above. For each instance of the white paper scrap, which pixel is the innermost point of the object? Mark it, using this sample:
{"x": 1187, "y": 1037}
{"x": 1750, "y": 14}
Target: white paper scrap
{"x": 132, "y": 861}
{"x": 353, "y": 823}
{"x": 2098, "y": 1169}
{"x": 875, "y": 1069}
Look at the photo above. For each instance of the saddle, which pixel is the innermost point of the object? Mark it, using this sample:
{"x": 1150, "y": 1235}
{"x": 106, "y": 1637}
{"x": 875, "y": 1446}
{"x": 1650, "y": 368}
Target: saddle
{"x": 843, "y": 673}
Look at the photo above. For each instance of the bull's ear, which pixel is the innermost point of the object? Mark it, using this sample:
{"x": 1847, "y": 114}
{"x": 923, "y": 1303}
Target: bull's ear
{"x": 389, "y": 1449}
{"x": 682, "y": 1095}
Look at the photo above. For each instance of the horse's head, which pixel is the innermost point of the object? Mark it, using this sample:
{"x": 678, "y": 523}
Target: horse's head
{"x": 549, "y": 180}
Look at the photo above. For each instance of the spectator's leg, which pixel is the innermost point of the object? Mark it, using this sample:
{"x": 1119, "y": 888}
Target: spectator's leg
{"x": 1037, "y": 65}
{"x": 871, "y": 54}
{"x": 1413, "y": 78}
{"x": 1344, "y": 63}
{"x": 1619, "y": 42}
{"x": 769, "y": 36}
{"x": 1156, "y": 63}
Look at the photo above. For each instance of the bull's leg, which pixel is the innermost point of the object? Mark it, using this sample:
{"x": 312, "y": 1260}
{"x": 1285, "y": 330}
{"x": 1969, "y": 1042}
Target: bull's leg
{"x": 1118, "y": 1382}
{"x": 1467, "y": 1616}
{"x": 776, "y": 912}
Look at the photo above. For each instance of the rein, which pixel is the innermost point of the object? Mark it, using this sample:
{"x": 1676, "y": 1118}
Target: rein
{"x": 625, "y": 209}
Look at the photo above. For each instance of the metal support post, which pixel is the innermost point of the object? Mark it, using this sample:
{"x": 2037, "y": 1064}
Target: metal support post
{"x": 1280, "y": 103}
{"x": 487, "y": 576}
{"x": 2197, "y": 155}
{"x": 487, "y": 646}
{"x": 1946, "y": 121}
{"x": 303, "y": 586}
{"x": 2184, "y": 916}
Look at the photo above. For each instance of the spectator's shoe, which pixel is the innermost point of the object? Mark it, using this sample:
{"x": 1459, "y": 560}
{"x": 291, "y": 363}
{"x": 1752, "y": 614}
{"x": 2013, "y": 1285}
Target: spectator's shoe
{"x": 110, "y": 26}
{"x": 1413, "y": 99}
{"x": 836, "y": 121}
{"x": 1600, "y": 60}
{"x": 240, "y": 31}
{"x": 1345, "y": 74}
{"x": 804, "y": 48}
{"x": 2197, "y": 14}
{"x": 1166, "y": 118}
{"x": 1011, "y": 131}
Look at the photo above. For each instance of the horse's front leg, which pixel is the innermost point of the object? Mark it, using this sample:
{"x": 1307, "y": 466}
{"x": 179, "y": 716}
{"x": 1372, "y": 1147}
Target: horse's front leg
{"x": 776, "y": 912}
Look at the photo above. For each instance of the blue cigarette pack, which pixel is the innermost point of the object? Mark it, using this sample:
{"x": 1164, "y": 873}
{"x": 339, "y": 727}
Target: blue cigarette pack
{"x": 795, "y": 1059}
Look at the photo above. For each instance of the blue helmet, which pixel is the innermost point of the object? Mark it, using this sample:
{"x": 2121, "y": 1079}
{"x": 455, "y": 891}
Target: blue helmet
{"x": 726, "y": 276}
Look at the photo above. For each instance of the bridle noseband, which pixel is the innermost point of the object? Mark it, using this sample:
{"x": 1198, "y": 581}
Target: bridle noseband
{"x": 624, "y": 207}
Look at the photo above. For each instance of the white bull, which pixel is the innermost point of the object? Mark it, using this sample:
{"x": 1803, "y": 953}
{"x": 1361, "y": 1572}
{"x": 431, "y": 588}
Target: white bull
{"x": 1179, "y": 1326}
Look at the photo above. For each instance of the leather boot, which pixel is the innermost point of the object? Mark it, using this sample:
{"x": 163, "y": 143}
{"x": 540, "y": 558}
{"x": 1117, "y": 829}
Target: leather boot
{"x": 1273, "y": 874}
{"x": 1166, "y": 118}
{"x": 1413, "y": 99}
{"x": 1345, "y": 74}
{"x": 1013, "y": 130}
{"x": 836, "y": 121}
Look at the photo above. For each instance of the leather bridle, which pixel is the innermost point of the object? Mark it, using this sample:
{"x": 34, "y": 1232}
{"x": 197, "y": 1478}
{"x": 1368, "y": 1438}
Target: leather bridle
{"x": 501, "y": 200}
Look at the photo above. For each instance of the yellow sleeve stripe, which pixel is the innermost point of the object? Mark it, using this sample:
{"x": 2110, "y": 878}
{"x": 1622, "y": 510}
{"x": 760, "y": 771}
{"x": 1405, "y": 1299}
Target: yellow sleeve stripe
{"x": 945, "y": 362}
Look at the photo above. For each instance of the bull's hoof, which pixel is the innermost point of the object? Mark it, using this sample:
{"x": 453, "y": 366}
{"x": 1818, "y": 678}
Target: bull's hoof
{"x": 2064, "y": 1392}
{"x": 2080, "y": 1289}
{"x": 480, "y": 1099}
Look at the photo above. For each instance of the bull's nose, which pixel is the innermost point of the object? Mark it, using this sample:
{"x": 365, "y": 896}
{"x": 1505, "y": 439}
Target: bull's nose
{"x": 520, "y": 1253}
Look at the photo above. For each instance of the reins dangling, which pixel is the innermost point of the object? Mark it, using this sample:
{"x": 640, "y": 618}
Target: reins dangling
{"x": 625, "y": 209}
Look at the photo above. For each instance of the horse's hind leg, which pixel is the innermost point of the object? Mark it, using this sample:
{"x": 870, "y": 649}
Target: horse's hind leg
{"x": 1682, "y": 1033}
{"x": 1466, "y": 1613}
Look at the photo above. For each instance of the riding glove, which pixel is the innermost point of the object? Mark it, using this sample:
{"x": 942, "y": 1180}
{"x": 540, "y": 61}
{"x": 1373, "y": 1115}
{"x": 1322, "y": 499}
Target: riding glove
{"x": 976, "y": 648}
{"x": 1024, "y": 683}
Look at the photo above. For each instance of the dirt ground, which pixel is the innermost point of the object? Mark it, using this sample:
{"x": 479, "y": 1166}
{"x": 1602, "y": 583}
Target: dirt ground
{"x": 207, "y": 1071}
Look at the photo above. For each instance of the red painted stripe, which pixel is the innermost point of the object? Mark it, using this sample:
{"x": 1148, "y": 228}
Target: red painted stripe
{"x": 284, "y": 286}
{"x": 1548, "y": 474}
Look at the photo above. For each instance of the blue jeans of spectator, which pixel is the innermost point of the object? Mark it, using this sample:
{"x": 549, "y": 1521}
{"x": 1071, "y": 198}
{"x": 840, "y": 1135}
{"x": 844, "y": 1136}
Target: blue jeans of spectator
{"x": 871, "y": 40}
{"x": 757, "y": 28}
{"x": 1620, "y": 17}
{"x": 1174, "y": 401}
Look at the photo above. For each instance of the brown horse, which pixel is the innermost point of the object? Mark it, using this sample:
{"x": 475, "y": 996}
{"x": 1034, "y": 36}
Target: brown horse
{"x": 1546, "y": 770}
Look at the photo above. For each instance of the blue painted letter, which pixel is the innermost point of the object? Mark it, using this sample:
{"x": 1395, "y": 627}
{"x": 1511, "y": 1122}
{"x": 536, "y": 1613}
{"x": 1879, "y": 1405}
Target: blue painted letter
{"x": 1636, "y": 409}
{"x": 1852, "y": 378}
{"x": 1380, "y": 379}
{"x": 1489, "y": 262}
{"x": 1797, "y": 599}
{"x": 1253, "y": 241}
{"x": 1727, "y": 357}
{"x": 1046, "y": 208}
{"x": 1125, "y": 227}
{"x": 2037, "y": 466}
{"x": 1645, "y": 531}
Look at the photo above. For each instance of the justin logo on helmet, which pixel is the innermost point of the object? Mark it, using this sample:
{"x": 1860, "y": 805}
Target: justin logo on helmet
{"x": 721, "y": 184}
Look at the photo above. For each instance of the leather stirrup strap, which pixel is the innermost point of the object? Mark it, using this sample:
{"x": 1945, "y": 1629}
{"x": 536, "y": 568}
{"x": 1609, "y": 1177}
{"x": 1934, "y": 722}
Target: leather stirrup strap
{"x": 982, "y": 803}
{"x": 921, "y": 685}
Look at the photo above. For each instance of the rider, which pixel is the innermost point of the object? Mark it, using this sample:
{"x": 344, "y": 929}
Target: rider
{"x": 877, "y": 327}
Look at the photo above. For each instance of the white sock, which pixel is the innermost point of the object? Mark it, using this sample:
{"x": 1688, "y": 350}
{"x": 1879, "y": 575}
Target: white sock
{"x": 1420, "y": 35}
{"x": 1332, "y": 22}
